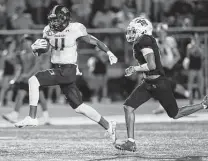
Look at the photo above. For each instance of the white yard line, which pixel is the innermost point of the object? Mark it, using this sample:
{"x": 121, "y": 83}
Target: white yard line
{"x": 146, "y": 118}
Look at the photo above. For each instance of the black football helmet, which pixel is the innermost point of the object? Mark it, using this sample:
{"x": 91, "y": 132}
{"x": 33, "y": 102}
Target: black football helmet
{"x": 59, "y": 18}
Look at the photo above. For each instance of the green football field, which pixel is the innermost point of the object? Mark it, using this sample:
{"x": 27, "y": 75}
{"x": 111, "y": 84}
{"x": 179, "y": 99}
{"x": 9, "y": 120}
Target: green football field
{"x": 71, "y": 138}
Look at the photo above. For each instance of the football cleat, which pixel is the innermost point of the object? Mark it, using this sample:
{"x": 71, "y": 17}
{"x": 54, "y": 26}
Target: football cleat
{"x": 11, "y": 117}
{"x": 27, "y": 121}
{"x": 205, "y": 102}
{"x": 127, "y": 146}
{"x": 111, "y": 132}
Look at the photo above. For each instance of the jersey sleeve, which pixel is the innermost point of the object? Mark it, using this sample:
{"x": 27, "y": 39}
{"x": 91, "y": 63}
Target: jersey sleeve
{"x": 144, "y": 44}
{"x": 81, "y": 30}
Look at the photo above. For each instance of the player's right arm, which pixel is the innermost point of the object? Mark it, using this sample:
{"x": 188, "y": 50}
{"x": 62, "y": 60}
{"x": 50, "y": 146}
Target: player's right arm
{"x": 40, "y": 43}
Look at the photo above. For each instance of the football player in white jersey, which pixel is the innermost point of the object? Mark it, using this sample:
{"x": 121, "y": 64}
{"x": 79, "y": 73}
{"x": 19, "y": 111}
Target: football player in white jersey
{"x": 62, "y": 35}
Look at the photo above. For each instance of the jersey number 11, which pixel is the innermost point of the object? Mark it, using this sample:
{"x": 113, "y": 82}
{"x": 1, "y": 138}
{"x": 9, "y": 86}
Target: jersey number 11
{"x": 59, "y": 43}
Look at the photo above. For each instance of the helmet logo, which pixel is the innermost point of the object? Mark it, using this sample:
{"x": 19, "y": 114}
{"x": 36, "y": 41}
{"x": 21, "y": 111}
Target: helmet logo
{"x": 142, "y": 22}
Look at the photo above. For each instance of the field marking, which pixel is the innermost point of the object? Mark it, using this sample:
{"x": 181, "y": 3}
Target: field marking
{"x": 146, "y": 118}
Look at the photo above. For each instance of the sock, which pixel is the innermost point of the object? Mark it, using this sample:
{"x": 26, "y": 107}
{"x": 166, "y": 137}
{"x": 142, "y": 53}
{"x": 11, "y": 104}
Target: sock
{"x": 131, "y": 140}
{"x": 104, "y": 123}
{"x": 33, "y": 111}
{"x": 92, "y": 114}
{"x": 33, "y": 91}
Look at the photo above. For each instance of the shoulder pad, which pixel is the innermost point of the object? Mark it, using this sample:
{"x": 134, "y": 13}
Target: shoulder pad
{"x": 80, "y": 28}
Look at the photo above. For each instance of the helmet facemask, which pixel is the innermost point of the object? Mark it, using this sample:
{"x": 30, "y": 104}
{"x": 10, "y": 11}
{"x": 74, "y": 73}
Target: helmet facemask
{"x": 132, "y": 33}
{"x": 59, "y": 21}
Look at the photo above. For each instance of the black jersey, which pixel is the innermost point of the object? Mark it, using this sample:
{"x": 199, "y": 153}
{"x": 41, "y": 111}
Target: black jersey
{"x": 146, "y": 41}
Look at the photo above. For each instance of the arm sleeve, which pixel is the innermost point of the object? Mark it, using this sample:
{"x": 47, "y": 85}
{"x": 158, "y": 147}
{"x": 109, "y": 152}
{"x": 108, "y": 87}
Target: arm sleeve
{"x": 144, "y": 45}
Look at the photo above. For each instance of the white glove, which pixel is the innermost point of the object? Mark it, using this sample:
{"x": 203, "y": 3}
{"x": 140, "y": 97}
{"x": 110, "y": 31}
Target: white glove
{"x": 39, "y": 44}
{"x": 112, "y": 58}
{"x": 130, "y": 70}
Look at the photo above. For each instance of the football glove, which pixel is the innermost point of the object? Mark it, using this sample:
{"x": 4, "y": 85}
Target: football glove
{"x": 112, "y": 58}
{"x": 39, "y": 44}
{"x": 130, "y": 70}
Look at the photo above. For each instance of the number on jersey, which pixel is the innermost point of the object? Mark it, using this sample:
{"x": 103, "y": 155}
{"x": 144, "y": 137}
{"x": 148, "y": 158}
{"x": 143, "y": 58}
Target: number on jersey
{"x": 59, "y": 43}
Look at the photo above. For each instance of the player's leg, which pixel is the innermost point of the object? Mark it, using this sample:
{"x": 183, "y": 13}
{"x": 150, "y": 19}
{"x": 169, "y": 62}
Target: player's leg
{"x": 43, "y": 78}
{"x": 178, "y": 88}
{"x": 139, "y": 96}
{"x": 74, "y": 98}
{"x": 163, "y": 92}
{"x": 43, "y": 104}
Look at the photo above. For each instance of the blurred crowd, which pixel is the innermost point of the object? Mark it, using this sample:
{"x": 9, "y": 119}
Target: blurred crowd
{"x": 96, "y": 84}
{"x": 26, "y": 14}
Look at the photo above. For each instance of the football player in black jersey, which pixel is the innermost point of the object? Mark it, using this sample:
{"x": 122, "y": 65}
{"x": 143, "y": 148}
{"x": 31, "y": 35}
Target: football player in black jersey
{"x": 154, "y": 85}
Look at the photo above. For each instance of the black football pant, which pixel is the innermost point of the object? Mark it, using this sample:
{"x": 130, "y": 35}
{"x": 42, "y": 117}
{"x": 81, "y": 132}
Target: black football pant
{"x": 160, "y": 89}
{"x": 65, "y": 76}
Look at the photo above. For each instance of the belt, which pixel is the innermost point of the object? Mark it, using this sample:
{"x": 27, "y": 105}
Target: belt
{"x": 63, "y": 65}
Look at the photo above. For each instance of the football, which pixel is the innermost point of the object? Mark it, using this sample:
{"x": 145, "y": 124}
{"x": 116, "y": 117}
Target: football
{"x": 43, "y": 50}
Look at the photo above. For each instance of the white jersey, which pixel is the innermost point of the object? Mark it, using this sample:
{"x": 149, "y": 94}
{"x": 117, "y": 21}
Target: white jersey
{"x": 63, "y": 44}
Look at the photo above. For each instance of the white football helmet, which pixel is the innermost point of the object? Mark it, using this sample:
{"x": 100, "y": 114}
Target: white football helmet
{"x": 138, "y": 27}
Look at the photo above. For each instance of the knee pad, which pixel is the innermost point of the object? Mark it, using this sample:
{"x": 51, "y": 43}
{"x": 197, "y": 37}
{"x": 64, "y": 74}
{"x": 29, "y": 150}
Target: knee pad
{"x": 34, "y": 81}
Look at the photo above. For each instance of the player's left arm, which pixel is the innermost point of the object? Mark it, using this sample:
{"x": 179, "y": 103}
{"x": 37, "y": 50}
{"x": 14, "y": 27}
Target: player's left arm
{"x": 94, "y": 41}
{"x": 84, "y": 36}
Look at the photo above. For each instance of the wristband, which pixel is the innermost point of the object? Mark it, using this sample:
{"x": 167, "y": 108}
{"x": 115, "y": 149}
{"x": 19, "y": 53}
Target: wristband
{"x": 109, "y": 53}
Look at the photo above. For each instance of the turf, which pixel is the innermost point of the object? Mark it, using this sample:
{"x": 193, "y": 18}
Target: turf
{"x": 155, "y": 142}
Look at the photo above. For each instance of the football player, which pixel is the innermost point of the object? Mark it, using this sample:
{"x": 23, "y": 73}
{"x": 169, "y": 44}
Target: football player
{"x": 169, "y": 58}
{"x": 155, "y": 83}
{"x": 29, "y": 66}
{"x": 62, "y": 34}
